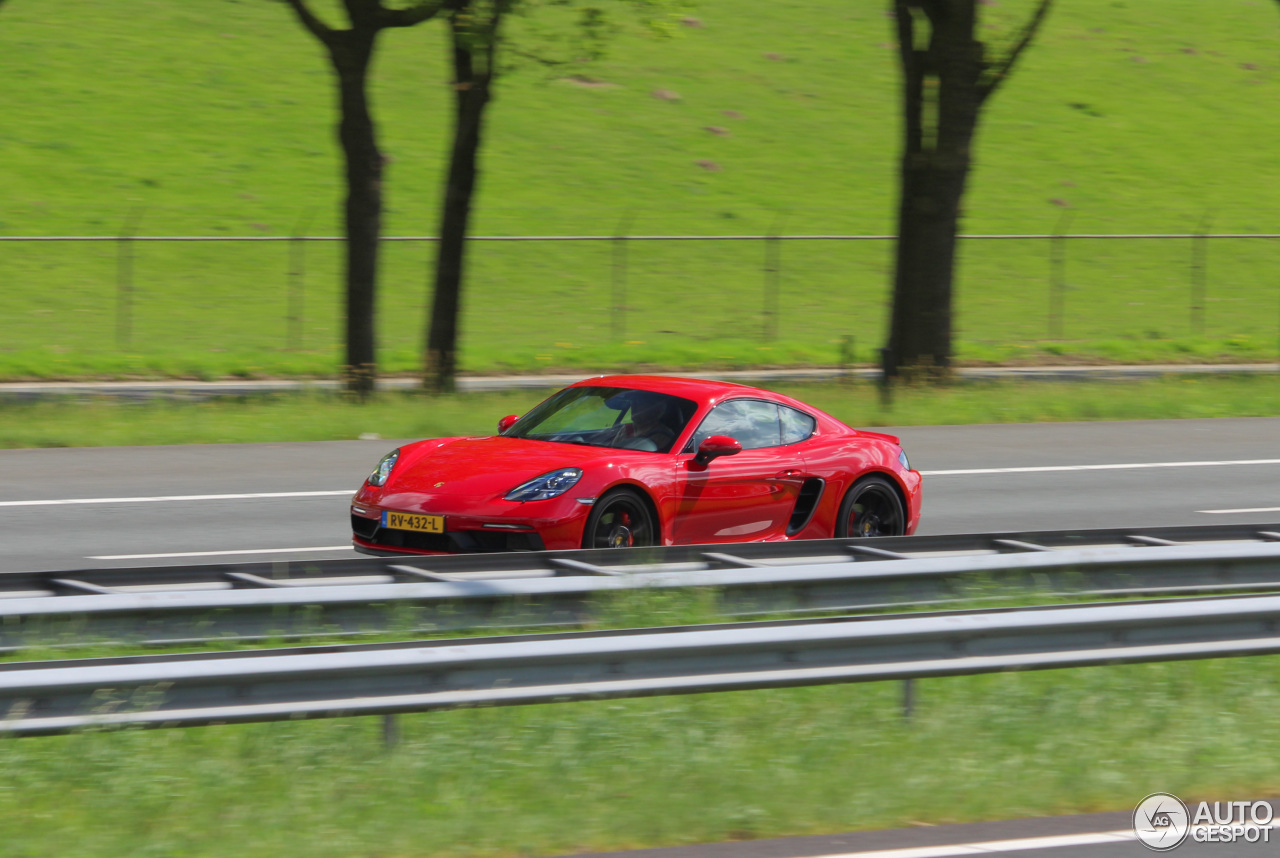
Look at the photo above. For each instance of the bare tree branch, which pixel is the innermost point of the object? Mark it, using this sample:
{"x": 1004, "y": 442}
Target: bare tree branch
{"x": 1003, "y": 69}
{"x": 318, "y": 28}
{"x": 912, "y": 72}
{"x": 906, "y": 34}
{"x": 494, "y": 26}
{"x": 417, "y": 13}
{"x": 538, "y": 59}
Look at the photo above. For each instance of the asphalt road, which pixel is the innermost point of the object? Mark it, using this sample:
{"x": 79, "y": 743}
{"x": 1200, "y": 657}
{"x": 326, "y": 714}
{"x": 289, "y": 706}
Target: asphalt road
{"x": 1095, "y": 835}
{"x": 82, "y": 507}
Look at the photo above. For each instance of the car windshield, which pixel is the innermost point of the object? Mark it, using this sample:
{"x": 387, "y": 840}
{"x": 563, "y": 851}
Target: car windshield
{"x": 608, "y": 417}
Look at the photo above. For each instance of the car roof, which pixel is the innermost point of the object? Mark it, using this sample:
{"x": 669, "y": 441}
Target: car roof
{"x": 698, "y": 389}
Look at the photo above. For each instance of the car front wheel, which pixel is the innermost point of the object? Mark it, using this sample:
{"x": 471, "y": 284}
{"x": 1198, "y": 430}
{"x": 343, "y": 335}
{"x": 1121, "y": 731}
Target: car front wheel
{"x": 871, "y": 508}
{"x": 620, "y": 519}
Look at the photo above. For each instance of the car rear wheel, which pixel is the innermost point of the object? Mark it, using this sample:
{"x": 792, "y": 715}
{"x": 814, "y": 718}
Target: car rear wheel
{"x": 620, "y": 519}
{"x": 871, "y": 508}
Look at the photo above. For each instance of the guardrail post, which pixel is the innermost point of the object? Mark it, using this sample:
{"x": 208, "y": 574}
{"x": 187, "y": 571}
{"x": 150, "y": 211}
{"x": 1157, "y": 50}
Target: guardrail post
{"x": 124, "y": 279}
{"x": 391, "y": 731}
{"x": 619, "y": 310}
{"x": 297, "y": 281}
{"x": 908, "y": 698}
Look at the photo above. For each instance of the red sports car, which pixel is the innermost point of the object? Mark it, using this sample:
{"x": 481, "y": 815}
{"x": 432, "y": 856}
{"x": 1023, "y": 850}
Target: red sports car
{"x": 625, "y": 460}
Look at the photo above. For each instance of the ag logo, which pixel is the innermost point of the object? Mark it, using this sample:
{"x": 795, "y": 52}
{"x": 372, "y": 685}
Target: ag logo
{"x": 1161, "y": 821}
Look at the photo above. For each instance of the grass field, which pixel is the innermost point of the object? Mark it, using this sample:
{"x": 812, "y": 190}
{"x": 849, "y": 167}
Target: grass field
{"x": 320, "y": 417}
{"x": 214, "y": 118}
{"x": 556, "y": 779}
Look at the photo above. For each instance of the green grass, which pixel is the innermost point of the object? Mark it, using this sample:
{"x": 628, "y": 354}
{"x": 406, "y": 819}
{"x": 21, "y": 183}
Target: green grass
{"x": 319, "y": 417}
{"x": 554, "y": 779}
{"x": 215, "y": 118}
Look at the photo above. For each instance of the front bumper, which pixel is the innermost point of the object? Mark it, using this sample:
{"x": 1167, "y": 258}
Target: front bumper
{"x": 369, "y": 536}
{"x": 471, "y": 525}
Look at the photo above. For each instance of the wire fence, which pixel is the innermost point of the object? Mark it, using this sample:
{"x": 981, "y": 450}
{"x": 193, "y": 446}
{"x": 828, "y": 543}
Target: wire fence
{"x": 1054, "y": 286}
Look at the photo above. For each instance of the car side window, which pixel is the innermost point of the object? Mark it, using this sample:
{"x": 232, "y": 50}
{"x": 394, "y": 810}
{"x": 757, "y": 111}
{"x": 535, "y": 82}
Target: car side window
{"x": 753, "y": 423}
{"x": 796, "y": 425}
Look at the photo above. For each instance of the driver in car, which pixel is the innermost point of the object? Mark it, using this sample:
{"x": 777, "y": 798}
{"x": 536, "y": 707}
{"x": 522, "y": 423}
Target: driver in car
{"x": 650, "y": 427}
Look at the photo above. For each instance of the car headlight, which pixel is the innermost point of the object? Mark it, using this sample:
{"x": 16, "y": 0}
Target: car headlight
{"x": 547, "y": 486}
{"x": 383, "y": 471}
{"x": 902, "y": 460}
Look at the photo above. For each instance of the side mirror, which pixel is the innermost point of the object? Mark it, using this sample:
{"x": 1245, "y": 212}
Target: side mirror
{"x": 507, "y": 422}
{"x": 715, "y": 447}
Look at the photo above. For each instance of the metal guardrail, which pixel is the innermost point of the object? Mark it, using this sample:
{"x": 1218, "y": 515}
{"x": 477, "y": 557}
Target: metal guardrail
{"x": 42, "y": 698}
{"x": 170, "y": 605}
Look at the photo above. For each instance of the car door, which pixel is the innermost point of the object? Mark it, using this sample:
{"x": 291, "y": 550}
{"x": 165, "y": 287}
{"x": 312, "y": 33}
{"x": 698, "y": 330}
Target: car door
{"x": 745, "y": 497}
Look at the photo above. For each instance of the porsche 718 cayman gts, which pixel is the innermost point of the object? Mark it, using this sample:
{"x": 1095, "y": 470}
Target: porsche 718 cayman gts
{"x": 640, "y": 460}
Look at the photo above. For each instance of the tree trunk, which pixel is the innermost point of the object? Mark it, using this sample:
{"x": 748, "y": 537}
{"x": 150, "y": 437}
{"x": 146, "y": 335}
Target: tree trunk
{"x": 363, "y": 209}
{"x": 942, "y": 95}
{"x": 945, "y": 84}
{"x": 472, "y": 91}
{"x": 928, "y": 222}
{"x": 350, "y": 52}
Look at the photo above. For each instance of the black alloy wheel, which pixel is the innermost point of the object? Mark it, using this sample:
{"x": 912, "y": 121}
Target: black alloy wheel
{"x": 871, "y": 508}
{"x": 620, "y": 519}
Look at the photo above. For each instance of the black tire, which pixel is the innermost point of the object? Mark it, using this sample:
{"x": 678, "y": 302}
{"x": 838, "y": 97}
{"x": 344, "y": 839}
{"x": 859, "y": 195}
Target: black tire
{"x": 871, "y": 508}
{"x": 620, "y": 519}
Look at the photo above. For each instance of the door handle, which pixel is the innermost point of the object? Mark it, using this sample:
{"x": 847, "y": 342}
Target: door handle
{"x": 788, "y": 474}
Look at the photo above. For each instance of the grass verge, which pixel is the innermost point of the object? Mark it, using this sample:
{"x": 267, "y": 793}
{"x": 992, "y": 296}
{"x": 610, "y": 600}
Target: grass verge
{"x": 554, "y": 779}
{"x": 320, "y": 417}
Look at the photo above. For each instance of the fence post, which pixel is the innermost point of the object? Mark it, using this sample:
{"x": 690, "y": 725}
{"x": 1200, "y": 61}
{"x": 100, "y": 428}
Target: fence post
{"x": 124, "y": 279}
{"x": 297, "y": 281}
{"x": 1057, "y": 275}
{"x": 772, "y": 274}
{"x": 886, "y": 377}
{"x": 848, "y": 355}
{"x": 619, "y": 310}
{"x": 1199, "y": 274}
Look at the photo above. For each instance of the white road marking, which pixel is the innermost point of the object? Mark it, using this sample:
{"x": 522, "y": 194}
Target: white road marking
{"x": 1036, "y": 469}
{"x": 994, "y": 846}
{"x": 1239, "y": 511}
{"x": 1022, "y": 844}
{"x": 252, "y": 496}
{"x": 217, "y": 553}
{"x": 1128, "y": 466}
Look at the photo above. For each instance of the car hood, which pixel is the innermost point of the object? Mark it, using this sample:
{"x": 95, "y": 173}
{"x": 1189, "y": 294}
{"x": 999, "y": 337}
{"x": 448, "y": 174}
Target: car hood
{"x": 489, "y": 467}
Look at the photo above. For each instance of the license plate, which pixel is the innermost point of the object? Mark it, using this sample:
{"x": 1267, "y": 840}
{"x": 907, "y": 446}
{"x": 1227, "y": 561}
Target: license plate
{"x": 410, "y": 521}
